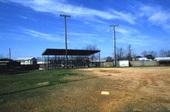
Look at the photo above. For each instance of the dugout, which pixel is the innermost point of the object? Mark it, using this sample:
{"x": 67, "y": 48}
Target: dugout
{"x": 56, "y": 58}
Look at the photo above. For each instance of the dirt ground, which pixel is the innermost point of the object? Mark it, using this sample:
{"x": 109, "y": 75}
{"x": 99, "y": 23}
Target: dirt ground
{"x": 144, "y": 89}
{"x": 133, "y": 89}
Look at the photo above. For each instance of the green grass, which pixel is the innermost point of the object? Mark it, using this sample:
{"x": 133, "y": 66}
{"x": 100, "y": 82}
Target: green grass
{"x": 16, "y": 82}
{"x": 65, "y": 88}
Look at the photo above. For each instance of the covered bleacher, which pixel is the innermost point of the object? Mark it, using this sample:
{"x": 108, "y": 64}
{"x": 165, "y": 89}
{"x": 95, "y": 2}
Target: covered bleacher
{"x": 56, "y": 58}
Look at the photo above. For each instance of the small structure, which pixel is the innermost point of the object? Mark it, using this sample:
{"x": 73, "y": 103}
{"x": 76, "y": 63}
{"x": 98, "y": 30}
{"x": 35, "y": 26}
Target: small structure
{"x": 42, "y": 65}
{"x": 27, "y": 61}
{"x": 7, "y": 64}
{"x": 123, "y": 63}
{"x": 163, "y": 60}
{"x": 56, "y": 58}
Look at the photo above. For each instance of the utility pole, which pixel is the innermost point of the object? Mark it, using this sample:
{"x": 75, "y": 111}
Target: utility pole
{"x": 130, "y": 53}
{"x": 9, "y": 53}
{"x": 115, "y": 57}
{"x": 65, "y": 24}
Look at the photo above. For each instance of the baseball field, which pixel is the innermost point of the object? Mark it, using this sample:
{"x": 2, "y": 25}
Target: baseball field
{"x": 137, "y": 89}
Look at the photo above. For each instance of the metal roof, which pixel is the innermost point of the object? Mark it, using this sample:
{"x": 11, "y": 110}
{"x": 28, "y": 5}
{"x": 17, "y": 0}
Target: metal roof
{"x": 72, "y": 52}
{"x": 27, "y": 58}
{"x": 162, "y": 58}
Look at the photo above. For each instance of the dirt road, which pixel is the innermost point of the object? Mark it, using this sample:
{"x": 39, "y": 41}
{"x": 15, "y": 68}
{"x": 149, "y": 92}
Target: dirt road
{"x": 134, "y": 89}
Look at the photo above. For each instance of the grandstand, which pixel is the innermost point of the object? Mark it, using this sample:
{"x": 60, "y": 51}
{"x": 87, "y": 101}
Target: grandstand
{"x": 56, "y": 58}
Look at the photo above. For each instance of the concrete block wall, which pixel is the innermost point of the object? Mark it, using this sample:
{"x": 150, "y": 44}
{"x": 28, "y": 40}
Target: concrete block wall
{"x": 106, "y": 64}
{"x": 143, "y": 63}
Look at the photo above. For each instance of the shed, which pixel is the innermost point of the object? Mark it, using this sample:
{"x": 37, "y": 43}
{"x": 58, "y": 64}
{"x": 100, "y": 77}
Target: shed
{"x": 163, "y": 60}
{"x": 27, "y": 61}
{"x": 123, "y": 63}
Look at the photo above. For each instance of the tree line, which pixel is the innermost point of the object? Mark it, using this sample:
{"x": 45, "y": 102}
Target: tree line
{"x": 129, "y": 54}
{"x": 123, "y": 54}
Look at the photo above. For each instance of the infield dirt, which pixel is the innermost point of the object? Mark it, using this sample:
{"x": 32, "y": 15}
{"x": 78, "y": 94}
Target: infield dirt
{"x": 134, "y": 89}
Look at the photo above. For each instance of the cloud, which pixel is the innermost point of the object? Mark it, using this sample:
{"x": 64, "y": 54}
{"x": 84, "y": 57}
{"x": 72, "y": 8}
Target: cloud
{"x": 24, "y": 17}
{"x": 84, "y": 38}
{"x": 125, "y": 16}
{"x": 127, "y": 30}
{"x": 50, "y": 37}
{"x": 156, "y": 15}
{"x": 128, "y": 35}
{"x": 60, "y": 6}
{"x": 4, "y": 1}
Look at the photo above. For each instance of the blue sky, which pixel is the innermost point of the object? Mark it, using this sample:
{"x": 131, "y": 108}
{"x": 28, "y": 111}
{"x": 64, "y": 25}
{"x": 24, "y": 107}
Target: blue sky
{"x": 28, "y": 27}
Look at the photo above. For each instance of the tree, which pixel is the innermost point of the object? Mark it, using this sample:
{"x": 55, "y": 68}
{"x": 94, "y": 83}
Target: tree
{"x": 149, "y": 54}
{"x": 164, "y": 53}
{"x": 39, "y": 58}
{"x": 120, "y": 54}
{"x": 144, "y": 53}
{"x": 137, "y": 57}
{"x": 92, "y": 47}
{"x": 1, "y": 56}
{"x": 168, "y": 53}
{"x": 153, "y": 53}
{"x": 129, "y": 54}
{"x": 109, "y": 59}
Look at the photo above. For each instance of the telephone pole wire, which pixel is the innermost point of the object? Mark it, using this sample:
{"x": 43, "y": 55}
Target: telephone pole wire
{"x": 115, "y": 56}
{"x": 65, "y": 24}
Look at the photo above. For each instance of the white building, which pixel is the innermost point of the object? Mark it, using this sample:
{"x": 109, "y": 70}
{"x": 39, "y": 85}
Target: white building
{"x": 27, "y": 61}
{"x": 162, "y": 59}
{"x": 123, "y": 63}
{"x": 42, "y": 65}
{"x": 144, "y": 59}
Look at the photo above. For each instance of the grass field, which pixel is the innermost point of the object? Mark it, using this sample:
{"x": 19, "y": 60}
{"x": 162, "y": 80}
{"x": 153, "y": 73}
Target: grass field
{"x": 79, "y": 90}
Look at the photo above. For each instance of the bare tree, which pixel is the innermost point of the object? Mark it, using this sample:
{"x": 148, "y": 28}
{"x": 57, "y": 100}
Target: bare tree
{"x": 129, "y": 53}
{"x": 153, "y": 53}
{"x": 144, "y": 53}
{"x": 149, "y": 54}
{"x": 164, "y": 53}
{"x": 39, "y": 58}
{"x": 168, "y": 53}
{"x": 1, "y": 56}
{"x": 92, "y": 47}
{"x": 120, "y": 54}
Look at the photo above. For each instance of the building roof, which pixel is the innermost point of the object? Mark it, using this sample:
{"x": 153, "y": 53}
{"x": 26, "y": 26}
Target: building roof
{"x": 27, "y": 58}
{"x": 144, "y": 59}
{"x": 72, "y": 52}
{"x": 162, "y": 58}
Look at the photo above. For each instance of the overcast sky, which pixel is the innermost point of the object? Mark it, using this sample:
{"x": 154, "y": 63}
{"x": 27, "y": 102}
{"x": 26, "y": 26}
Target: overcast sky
{"x": 28, "y": 27}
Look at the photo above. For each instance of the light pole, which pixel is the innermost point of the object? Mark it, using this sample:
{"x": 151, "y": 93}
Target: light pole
{"x": 115, "y": 57}
{"x": 65, "y": 24}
